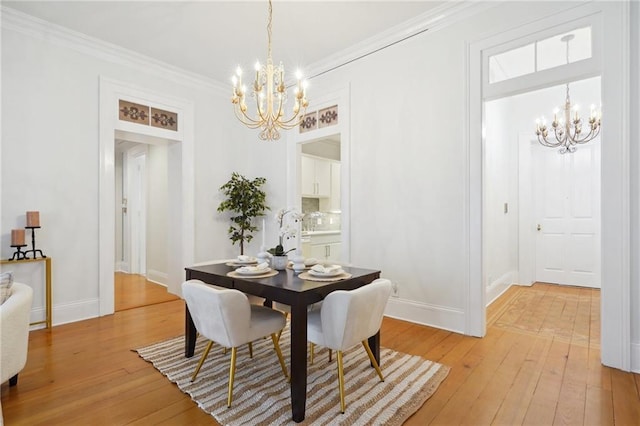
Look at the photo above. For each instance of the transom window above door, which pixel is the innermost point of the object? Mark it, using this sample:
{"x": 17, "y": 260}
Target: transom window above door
{"x": 540, "y": 55}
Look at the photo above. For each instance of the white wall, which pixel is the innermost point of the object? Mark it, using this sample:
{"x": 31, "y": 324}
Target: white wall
{"x": 53, "y": 92}
{"x": 408, "y": 162}
{"x": 500, "y": 181}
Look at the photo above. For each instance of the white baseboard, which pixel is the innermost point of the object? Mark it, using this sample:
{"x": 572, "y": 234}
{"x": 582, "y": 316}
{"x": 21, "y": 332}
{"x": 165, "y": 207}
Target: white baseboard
{"x": 67, "y": 313}
{"x": 499, "y": 286}
{"x": 635, "y": 357}
{"x": 158, "y": 277}
{"x": 37, "y": 315}
{"x": 426, "y": 314}
{"x": 122, "y": 266}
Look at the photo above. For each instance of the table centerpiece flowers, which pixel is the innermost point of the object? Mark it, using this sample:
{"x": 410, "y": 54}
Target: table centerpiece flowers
{"x": 288, "y": 229}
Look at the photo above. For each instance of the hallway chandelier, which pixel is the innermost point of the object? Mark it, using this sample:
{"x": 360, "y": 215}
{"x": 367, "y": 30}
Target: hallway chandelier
{"x": 568, "y": 131}
{"x": 270, "y": 94}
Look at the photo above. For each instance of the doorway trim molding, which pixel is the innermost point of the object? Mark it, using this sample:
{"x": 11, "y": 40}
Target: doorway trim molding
{"x": 615, "y": 189}
{"x": 180, "y": 151}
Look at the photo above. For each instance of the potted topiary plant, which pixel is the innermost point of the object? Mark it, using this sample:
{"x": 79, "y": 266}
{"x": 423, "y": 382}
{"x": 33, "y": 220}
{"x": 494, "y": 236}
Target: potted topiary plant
{"x": 245, "y": 200}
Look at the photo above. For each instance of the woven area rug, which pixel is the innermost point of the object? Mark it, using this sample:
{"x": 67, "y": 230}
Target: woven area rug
{"x": 261, "y": 394}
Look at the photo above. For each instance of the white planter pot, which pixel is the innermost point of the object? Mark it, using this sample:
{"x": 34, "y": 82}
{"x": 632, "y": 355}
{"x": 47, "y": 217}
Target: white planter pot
{"x": 279, "y": 263}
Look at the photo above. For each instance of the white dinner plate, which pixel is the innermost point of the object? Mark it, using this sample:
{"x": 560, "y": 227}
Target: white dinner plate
{"x": 325, "y": 274}
{"x": 256, "y": 272}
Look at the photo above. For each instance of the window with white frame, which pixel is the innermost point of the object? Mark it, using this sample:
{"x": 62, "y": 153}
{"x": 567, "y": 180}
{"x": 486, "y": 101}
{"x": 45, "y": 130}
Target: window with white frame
{"x": 540, "y": 55}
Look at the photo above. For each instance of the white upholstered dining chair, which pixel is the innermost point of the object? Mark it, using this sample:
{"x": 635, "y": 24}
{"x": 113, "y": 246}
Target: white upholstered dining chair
{"x": 348, "y": 318}
{"x": 226, "y": 317}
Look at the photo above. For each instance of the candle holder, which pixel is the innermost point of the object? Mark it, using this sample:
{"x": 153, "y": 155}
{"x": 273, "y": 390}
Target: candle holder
{"x": 33, "y": 244}
{"x": 18, "y": 254}
{"x": 298, "y": 261}
{"x": 263, "y": 256}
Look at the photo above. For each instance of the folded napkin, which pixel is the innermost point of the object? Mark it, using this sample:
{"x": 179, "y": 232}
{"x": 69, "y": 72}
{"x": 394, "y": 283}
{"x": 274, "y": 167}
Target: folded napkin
{"x": 245, "y": 258}
{"x": 310, "y": 261}
{"x": 326, "y": 269}
{"x": 264, "y": 266}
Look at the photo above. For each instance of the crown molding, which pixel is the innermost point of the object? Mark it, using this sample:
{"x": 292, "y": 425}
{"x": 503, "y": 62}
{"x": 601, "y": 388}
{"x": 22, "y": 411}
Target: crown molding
{"x": 433, "y": 20}
{"x": 40, "y": 29}
{"x": 437, "y": 18}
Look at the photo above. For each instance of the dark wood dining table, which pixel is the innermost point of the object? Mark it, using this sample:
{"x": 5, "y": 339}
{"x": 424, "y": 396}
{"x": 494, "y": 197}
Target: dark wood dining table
{"x": 289, "y": 289}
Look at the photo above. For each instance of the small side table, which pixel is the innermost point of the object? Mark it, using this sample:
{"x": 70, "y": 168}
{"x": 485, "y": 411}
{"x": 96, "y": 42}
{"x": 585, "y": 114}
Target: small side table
{"x": 47, "y": 261}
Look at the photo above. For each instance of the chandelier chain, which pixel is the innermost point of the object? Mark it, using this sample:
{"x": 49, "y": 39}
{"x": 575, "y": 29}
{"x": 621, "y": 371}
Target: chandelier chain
{"x": 269, "y": 32}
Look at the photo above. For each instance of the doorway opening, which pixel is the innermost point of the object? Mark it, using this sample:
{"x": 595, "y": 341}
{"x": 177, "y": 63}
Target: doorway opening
{"x": 180, "y": 181}
{"x": 319, "y": 164}
{"x": 541, "y": 208}
{"x": 610, "y": 29}
{"x": 320, "y": 181}
{"x": 141, "y": 204}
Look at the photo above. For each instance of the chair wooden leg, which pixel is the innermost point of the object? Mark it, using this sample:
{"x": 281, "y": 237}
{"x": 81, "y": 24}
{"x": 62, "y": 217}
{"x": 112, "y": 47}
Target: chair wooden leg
{"x": 372, "y": 359}
{"x": 13, "y": 380}
{"x": 250, "y": 350}
{"x": 232, "y": 374}
{"x": 276, "y": 346}
{"x": 204, "y": 356}
{"x": 341, "y": 381}
{"x": 286, "y": 315}
{"x": 330, "y": 352}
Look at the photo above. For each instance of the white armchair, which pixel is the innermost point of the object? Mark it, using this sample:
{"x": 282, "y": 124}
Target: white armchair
{"x": 14, "y": 332}
{"x": 348, "y": 318}
{"x": 226, "y": 317}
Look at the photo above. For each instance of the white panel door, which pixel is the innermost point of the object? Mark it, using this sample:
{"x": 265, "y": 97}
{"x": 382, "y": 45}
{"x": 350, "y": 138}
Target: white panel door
{"x": 137, "y": 209}
{"x": 567, "y": 200}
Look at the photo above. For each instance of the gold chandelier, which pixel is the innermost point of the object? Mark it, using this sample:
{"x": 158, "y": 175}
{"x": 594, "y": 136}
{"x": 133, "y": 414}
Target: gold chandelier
{"x": 270, "y": 95}
{"x": 568, "y": 130}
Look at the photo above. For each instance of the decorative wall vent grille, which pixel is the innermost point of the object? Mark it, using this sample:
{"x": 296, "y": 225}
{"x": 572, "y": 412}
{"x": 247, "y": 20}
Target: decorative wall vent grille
{"x": 146, "y": 115}
{"x": 318, "y": 119}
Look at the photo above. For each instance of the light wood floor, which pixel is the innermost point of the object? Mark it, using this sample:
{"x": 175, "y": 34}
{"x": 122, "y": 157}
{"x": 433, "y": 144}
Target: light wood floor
{"x": 134, "y": 291}
{"x": 539, "y": 364}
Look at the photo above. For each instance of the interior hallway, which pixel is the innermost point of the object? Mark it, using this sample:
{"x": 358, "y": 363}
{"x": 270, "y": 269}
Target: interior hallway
{"x": 134, "y": 291}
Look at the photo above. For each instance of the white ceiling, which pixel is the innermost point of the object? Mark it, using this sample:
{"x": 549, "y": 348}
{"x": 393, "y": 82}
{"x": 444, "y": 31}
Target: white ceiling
{"x": 212, "y": 38}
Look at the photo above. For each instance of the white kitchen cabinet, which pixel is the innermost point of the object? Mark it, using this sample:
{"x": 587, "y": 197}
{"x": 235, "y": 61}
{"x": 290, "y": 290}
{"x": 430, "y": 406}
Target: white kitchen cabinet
{"x": 316, "y": 176}
{"x": 326, "y": 252}
{"x": 308, "y": 172}
{"x": 334, "y": 252}
{"x": 325, "y": 248}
